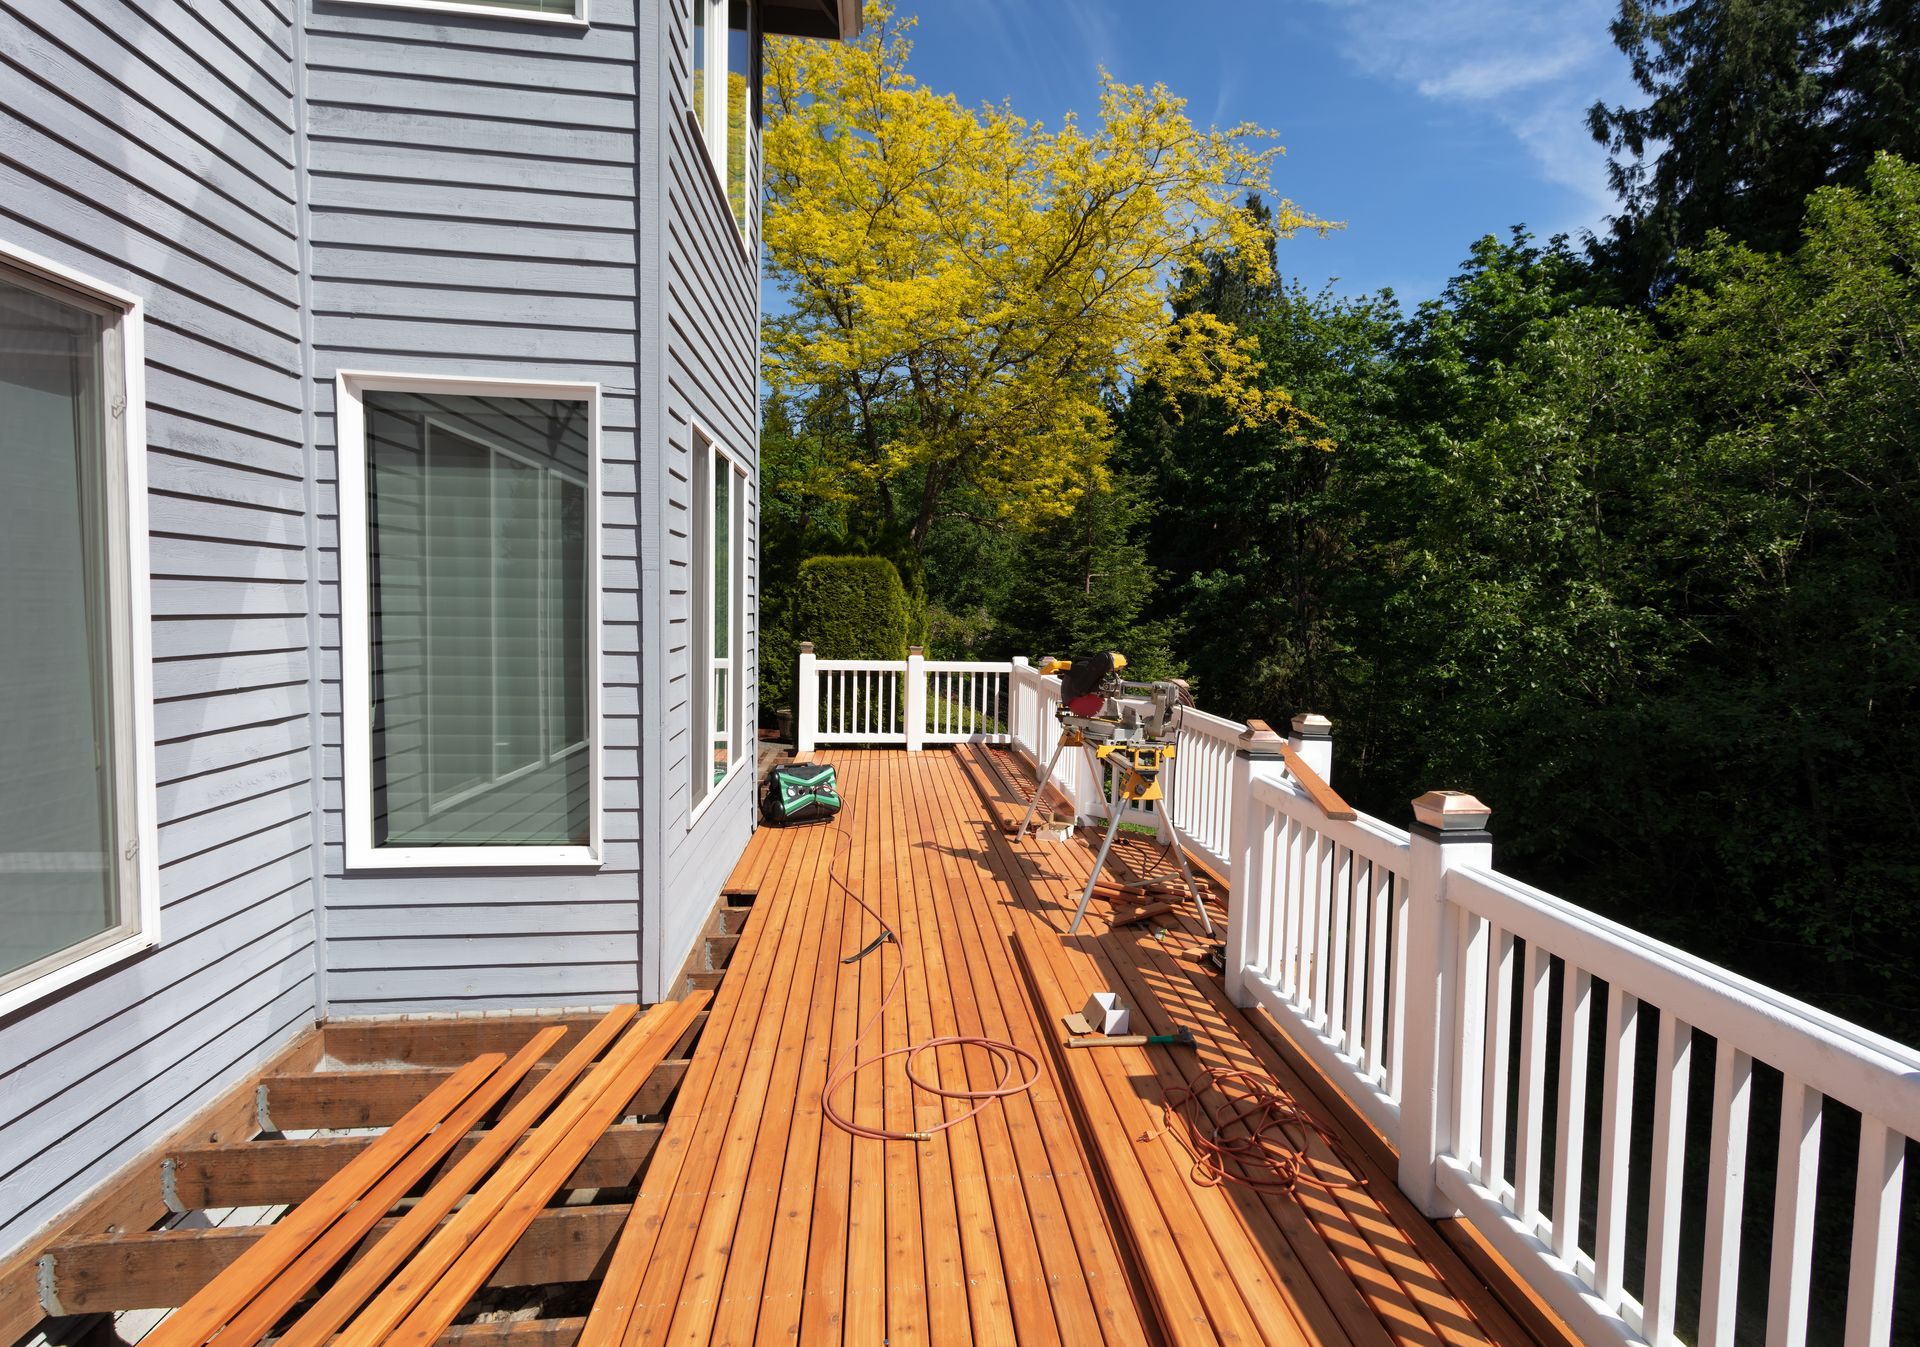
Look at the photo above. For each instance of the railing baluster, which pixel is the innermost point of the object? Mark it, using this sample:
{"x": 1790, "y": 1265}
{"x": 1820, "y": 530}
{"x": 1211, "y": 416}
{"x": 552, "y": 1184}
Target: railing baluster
{"x": 1616, "y": 1125}
{"x": 1337, "y": 951}
{"x": 1397, "y": 1002}
{"x": 1798, "y": 1178}
{"x": 1322, "y": 919}
{"x": 1530, "y": 1129}
{"x": 1727, "y": 1163}
{"x": 1576, "y": 1009}
{"x": 1493, "y": 1118}
{"x": 1298, "y": 844}
{"x": 1380, "y": 906}
{"x": 1673, "y": 1071}
{"x": 1473, "y": 937}
{"x": 1356, "y": 1009}
{"x": 1271, "y": 877}
{"x": 1876, "y": 1233}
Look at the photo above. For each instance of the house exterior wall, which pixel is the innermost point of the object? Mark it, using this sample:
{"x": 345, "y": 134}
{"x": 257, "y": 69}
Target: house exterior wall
{"x": 153, "y": 147}
{"x": 476, "y": 184}
{"x": 710, "y": 318}
{"x": 296, "y": 187}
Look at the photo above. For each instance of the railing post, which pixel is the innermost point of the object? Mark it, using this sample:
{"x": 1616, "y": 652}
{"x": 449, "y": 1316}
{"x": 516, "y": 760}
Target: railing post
{"x": 1016, "y": 700}
{"x": 808, "y": 722}
{"x": 916, "y": 703}
{"x": 1449, "y": 831}
{"x": 1246, "y": 881}
{"x": 1312, "y": 739}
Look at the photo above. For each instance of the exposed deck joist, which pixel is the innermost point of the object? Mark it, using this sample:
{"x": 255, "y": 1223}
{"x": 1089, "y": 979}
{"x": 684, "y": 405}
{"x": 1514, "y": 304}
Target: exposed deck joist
{"x": 109, "y": 1256}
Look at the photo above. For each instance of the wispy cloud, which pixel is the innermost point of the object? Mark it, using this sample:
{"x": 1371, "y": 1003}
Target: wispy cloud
{"x": 1533, "y": 66}
{"x": 1029, "y": 38}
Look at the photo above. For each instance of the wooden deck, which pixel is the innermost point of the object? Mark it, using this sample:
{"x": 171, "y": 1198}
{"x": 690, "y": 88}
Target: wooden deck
{"x": 1070, "y": 1214}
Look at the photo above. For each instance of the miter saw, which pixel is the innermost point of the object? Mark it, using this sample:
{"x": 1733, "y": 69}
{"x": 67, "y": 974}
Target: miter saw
{"x": 1129, "y": 733}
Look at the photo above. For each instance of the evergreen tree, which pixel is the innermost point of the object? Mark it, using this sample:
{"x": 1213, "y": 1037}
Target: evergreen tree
{"x": 1752, "y": 105}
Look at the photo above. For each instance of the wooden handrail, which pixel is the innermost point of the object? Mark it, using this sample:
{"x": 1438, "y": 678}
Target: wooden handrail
{"x": 1316, "y": 787}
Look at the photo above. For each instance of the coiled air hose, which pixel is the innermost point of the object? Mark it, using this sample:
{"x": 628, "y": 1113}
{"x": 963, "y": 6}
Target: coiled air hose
{"x": 1005, "y": 1056}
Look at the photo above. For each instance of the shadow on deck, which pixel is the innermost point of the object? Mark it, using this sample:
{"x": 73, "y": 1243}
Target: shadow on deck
{"x": 1073, "y": 1213}
{"x": 698, "y": 1194}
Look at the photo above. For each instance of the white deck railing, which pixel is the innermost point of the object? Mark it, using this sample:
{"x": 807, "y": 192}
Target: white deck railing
{"x": 1445, "y": 999}
{"x": 914, "y": 701}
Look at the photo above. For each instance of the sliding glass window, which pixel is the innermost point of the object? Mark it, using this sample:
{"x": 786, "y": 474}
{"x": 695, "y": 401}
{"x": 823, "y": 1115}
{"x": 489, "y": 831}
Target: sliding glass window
{"x": 478, "y": 640}
{"x": 71, "y": 873}
{"x": 719, "y": 605}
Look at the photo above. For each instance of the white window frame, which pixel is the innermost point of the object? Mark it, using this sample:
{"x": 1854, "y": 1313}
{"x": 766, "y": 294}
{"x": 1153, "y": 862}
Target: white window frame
{"x": 700, "y": 748}
{"x": 129, "y": 617}
{"x": 711, "y": 121}
{"x": 577, "y": 19}
{"x": 356, "y": 656}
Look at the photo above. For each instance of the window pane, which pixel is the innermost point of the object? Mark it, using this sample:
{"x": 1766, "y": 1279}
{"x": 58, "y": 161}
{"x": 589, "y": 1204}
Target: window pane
{"x": 722, "y": 612}
{"x": 700, "y": 52}
{"x": 520, "y": 642}
{"x": 722, "y": 546}
{"x": 740, "y": 72}
{"x": 478, "y": 620}
{"x": 737, "y": 728}
{"x": 565, "y": 671}
{"x": 58, "y": 882}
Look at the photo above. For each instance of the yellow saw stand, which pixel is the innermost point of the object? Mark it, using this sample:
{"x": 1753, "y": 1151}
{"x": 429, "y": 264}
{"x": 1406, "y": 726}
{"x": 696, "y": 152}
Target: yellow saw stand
{"x": 1135, "y": 779}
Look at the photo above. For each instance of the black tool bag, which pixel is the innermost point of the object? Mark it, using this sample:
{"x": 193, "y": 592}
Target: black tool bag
{"x": 800, "y": 792}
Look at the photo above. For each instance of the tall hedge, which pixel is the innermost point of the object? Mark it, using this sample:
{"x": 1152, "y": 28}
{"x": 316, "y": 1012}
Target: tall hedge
{"x": 849, "y": 607}
{"x": 852, "y": 608}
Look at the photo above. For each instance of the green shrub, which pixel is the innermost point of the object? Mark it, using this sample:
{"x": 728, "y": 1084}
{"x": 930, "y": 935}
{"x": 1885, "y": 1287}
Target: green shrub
{"x": 849, "y": 607}
{"x": 852, "y": 608}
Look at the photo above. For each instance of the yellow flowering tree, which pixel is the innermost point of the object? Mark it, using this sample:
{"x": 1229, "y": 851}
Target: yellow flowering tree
{"x": 963, "y": 287}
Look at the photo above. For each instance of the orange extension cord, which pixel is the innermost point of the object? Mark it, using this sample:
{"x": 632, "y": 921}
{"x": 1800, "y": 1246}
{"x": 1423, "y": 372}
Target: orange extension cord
{"x": 840, "y": 1072}
{"x": 1256, "y": 1137}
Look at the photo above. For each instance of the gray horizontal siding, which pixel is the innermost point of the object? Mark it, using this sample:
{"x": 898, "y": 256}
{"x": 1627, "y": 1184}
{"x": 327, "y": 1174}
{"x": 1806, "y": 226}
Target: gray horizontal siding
{"x": 709, "y": 319}
{"x": 474, "y": 206}
{"x": 152, "y": 146}
{"x": 479, "y": 197}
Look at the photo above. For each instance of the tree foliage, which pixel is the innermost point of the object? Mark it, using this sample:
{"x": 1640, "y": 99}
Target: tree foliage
{"x": 1751, "y": 105}
{"x": 1647, "y": 583}
{"x": 962, "y": 286}
{"x": 1623, "y": 540}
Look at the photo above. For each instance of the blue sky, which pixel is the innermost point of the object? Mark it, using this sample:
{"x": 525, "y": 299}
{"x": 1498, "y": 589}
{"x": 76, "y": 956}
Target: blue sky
{"x": 1421, "y": 123}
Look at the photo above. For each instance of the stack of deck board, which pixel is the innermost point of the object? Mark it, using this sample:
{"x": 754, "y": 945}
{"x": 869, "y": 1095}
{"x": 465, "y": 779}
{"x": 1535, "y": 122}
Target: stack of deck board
{"x": 417, "y": 1278}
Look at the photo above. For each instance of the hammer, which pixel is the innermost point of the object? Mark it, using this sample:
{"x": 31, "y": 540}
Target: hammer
{"x": 1182, "y": 1039}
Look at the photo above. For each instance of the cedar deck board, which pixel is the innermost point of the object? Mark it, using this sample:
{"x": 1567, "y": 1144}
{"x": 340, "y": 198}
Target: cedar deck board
{"x": 1168, "y": 980}
{"x": 134, "y": 1199}
{"x": 1003, "y": 1229}
{"x": 772, "y": 1224}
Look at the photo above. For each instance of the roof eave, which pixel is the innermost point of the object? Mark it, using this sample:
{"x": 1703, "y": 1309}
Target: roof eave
{"x": 834, "y": 20}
